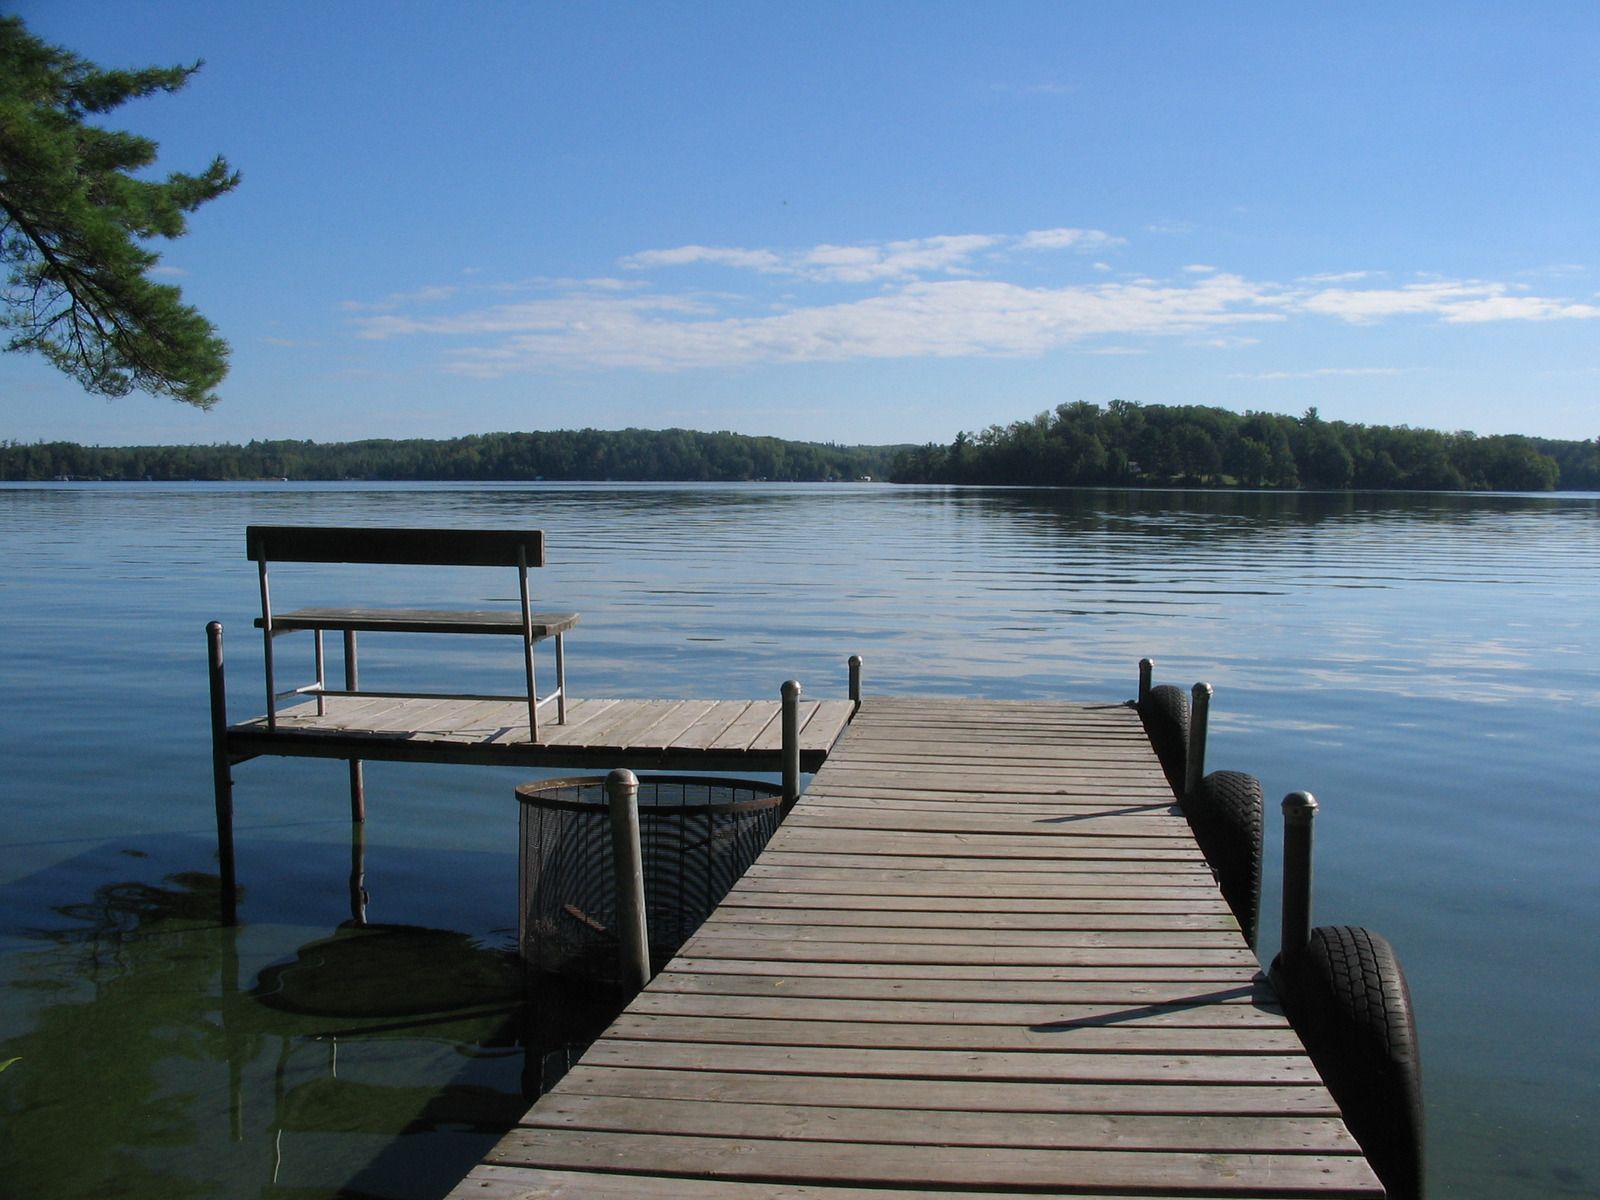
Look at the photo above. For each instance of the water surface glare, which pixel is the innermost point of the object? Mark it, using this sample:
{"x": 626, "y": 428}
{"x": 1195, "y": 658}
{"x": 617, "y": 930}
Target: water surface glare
{"x": 1428, "y": 665}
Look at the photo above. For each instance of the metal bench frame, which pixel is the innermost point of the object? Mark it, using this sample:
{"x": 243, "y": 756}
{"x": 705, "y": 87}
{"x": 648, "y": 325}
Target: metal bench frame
{"x": 521, "y": 549}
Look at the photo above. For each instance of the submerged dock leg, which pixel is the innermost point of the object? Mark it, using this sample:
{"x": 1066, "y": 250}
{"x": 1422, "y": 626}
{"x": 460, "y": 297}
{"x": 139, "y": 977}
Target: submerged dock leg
{"x": 358, "y": 874}
{"x": 222, "y": 776}
{"x": 358, "y": 783}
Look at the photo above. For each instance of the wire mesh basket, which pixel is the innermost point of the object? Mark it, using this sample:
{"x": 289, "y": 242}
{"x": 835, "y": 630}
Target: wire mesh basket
{"x": 697, "y": 836}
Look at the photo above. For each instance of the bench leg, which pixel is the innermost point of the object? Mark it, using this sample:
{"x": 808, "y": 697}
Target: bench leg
{"x": 322, "y": 676}
{"x": 533, "y": 689}
{"x": 561, "y": 679}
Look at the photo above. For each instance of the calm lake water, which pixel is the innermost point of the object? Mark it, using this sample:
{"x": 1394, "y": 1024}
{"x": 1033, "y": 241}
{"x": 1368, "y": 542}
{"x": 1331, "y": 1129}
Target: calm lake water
{"x": 1428, "y": 665}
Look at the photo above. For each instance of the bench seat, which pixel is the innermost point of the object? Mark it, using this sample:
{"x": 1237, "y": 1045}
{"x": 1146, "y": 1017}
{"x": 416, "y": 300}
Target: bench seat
{"x": 420, "y": 620}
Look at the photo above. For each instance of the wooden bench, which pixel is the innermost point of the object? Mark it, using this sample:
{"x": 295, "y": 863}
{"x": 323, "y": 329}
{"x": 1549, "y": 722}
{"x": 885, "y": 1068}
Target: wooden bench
{"x": 522, "y": 549}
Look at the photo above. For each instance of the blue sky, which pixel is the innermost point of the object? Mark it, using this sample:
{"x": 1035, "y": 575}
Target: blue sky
{"x": 864, "y": 222}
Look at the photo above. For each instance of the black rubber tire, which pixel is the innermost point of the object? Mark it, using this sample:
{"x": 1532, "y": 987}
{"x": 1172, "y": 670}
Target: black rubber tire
{"x": 1165, "y": 715}
{"x": 1226, "y": 814}
{"x": 1347, "y": 997}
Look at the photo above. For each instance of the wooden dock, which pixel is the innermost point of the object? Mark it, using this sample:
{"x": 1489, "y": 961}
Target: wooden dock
{"x": 703, "y": 735}
{"x": 983, "y": 955}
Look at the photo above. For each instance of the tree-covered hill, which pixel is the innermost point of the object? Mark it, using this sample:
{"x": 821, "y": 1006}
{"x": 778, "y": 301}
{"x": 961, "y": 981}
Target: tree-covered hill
{"x": 1126, "y": 444}
{"x": 583, "y": 454}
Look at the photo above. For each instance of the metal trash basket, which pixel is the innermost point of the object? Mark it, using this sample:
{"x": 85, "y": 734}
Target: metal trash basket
{"x": 697, "y": 836}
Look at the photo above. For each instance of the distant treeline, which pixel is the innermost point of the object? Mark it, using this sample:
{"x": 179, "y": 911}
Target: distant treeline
{"x": 1079, "y": 444}
{"x": 585, "y": 454}
{"x": 1127, "y": 444}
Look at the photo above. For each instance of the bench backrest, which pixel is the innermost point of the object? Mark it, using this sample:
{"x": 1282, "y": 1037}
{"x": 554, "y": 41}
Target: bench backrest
{"x": 411, "y": 547}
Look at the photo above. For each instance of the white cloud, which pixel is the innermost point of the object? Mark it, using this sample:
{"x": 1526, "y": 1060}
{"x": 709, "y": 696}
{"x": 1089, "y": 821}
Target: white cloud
{"x": 876, "y": 262}
{"x": 1455, "y": 302}
{"x": 932, "y": 297}
{"x": 924, "y": 319}
{"x": 892, "y": 260}
{"x": 726, "y": 256}
{"x": 1085, "y": 240}
{"x": 1339, "y": 277}
{"x": 423, "y": 295}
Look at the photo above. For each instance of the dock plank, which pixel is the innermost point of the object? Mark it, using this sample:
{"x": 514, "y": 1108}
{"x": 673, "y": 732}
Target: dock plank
{"x": 969, "y": 1094}
{"x": 936, "y": 1168}
{"x": 913, "y": 1127}
{"x": 983, "y": 955}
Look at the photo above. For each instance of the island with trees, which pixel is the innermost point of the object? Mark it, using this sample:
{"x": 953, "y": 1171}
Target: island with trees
{"x": 1125, "y": 444}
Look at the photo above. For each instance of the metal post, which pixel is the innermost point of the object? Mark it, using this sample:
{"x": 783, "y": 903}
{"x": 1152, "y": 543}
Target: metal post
{"x": 527, "y": 645}
{"x": 791, "y": 743}
{"x": 622, "y": 799}
{"x": 1299, "y": 812}
{"x": 1147, "y": 669}
{"x": 322, "y": 679}
{"x": 266, "y": 640}
{"x": 1195, "y": 759}
{"x": 855, "y": 679}
{"x": 352, "y": 682}
{"x": 222, "y": 775}
{"x": 561, "y": 679}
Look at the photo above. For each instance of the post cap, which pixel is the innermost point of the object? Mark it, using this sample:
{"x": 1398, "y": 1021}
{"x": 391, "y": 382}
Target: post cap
{"x": 791, "y": 689}
{"x": 1299, "y": 808}
{"x": 621, "y": 780}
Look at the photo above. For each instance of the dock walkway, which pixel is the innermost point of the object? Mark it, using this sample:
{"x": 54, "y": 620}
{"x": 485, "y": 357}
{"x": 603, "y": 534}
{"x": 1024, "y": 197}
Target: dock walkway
{"x": 983, "y": 955}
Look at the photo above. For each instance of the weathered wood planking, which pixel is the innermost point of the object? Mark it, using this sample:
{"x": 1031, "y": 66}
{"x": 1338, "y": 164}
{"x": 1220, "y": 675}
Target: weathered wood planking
{"x": 983, "y": 955}
{"x": 601, "y": 734}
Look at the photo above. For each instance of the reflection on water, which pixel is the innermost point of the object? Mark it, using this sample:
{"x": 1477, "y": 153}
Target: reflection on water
{"x": 1427, "y": 664}
{"x": 159, "y": 1060}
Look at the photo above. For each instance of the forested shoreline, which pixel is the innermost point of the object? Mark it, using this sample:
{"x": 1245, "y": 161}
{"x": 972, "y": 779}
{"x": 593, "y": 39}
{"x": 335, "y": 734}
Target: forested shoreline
{"x": 1077, "y": 445}
{"x": 627, "y": 455}
{"x": 1132, "y": 445}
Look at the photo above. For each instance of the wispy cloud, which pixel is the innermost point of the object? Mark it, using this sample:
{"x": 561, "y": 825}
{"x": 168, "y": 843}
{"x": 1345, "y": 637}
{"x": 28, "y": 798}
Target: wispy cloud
{"x": 934, "y": 297}
{"x": 872, "y": 262}
{"x": 1457, "y": 302}
{"x": 1316, "y": 373}
{"x": 1083, "y": 240}
{"x": 1338, "y": 277}
{"x": 724, "y": 256}
{"x": 396, "y": 300}
{"x": 1035, "y": 89}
